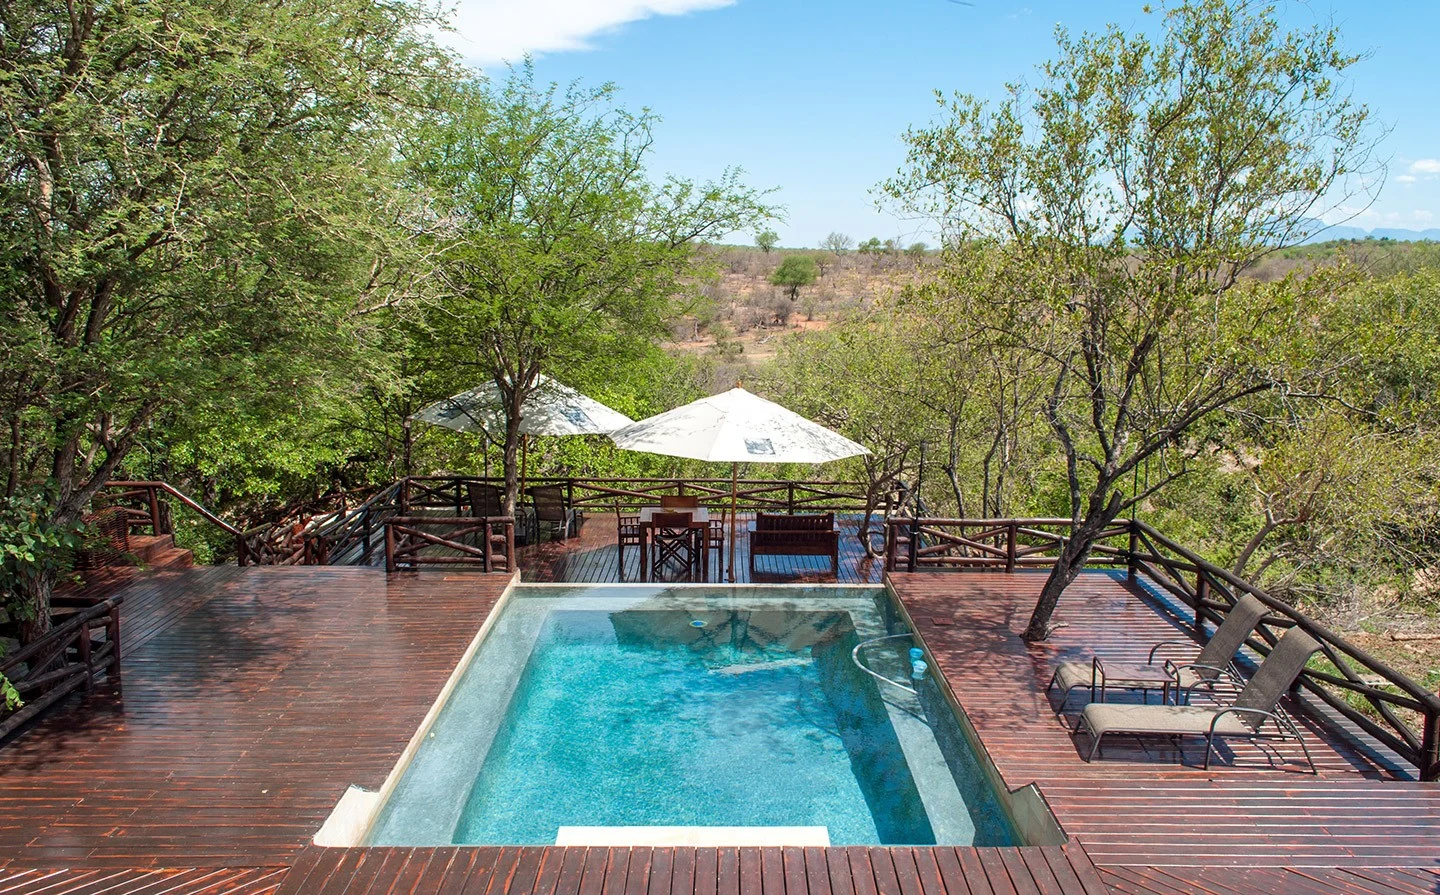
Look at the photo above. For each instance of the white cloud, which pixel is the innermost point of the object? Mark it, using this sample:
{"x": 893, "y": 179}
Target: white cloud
{"x": 1406, "y": 178}
{"x": 491, "y": 31}
{"x": 1422, "y": 216}
{"x": 1425, "y": 166}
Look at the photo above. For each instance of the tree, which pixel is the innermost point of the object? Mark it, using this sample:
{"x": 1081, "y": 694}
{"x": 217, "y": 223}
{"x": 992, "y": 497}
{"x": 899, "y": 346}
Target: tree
{"x": 794, "y": 273}
{"x": 837, "y": 242}
{"x": 1128, "y": 193}
{"x": 916, "y": 250}
{"x": 767, "y": 240}
{"x": 561, "y": 254}
{"x": 872, "y": 246}
{"x": 194, "y": 200}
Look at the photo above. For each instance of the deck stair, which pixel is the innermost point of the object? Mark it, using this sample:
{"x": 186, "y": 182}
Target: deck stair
{"x": 159, "y": 552}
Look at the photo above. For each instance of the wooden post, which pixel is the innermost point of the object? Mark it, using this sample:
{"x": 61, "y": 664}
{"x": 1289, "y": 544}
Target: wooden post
{"x": 154, "y": 495}
{"x": 1430, "y": 747}
{"x": 390, "y": 565}
{"x": 489, "y": 530}
{"x": 1202, "y": 593}
{"x": 112, "y": 634}
{"x": 84, "y": 648}
{"x": 1012, "y": 533}
{"x": 242, "y": 551}
{"x": 790, "y": 498}
{"x": 1131, "y": 569}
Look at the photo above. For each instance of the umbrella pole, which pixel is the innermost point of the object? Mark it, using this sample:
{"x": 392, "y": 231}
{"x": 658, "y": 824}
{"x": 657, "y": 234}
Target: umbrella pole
{"x": 734, "y": 489}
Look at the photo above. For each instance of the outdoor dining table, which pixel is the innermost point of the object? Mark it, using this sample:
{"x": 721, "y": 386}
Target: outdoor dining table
{"x": 699, "y": 521}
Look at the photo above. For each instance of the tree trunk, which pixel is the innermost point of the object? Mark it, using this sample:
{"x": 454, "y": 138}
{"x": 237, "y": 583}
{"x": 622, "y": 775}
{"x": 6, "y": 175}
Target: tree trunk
{"x": 35, "y": 591}
{"x": 1070, "y": 563}
{"x": 512, "y": 465}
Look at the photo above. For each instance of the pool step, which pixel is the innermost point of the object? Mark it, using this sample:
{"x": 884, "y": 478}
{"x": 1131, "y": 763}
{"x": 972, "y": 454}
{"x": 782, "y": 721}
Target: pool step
{"x": 693, "y": 836}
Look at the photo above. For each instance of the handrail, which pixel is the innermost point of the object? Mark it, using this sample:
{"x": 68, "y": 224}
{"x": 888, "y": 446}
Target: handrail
{"x": 183, "y": 498}
{"x": 62, "y": 660}
{"x": 1210, "y": 591}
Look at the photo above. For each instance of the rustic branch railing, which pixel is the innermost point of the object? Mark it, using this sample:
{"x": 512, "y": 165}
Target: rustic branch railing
{"x": 145, "y": 508}
{"x": 71, "y": 656}
{"x": 485, "y": 541}
{"x": 351, "y": 538}
{"x": 1406, "y": 716}
{"x": 1403, "y": 716}
{"x": 1007, "y": 544}
{"x": 772, "y": 495}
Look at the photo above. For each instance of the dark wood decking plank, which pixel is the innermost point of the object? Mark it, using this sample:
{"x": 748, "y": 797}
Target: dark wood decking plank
{"x": 750, "y": 879}
{"x": 953, "y": 875}
{"x": 862, "y": 875}
{"x": 772, "y": 871}
{"x": 682, "y": 871}
{"x": 727, "y": 871}
{"x": 637, "y": 874}
{"x": 662, "y": 867}
{"x": 837, "y": 867}
{"x": 460, "y": 870}
{"x": 548, "y": 873}
{"x": 927, "y": 868}
{"x": 817, "y": 871}
{"x": 907, "y": 875}
{"x": 707, "y": 861}
{"x": 796, "y": 882}
{"x": 487, "y": 859}
{"x": 592, "y": 872}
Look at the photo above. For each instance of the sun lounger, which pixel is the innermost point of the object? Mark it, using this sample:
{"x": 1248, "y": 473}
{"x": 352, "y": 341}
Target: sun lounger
{"x": 1216, "y": 661}
{"x": 1255, "y": 713}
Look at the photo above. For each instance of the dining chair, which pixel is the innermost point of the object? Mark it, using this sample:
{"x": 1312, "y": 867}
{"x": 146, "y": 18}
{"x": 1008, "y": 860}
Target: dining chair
{"x": 673, "y": 539}
{"x": 680, "y": 501}
{"x": 628, "y": 534}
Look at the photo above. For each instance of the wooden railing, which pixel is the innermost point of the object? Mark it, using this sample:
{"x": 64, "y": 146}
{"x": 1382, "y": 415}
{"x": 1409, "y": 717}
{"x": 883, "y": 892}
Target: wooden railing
{"x": 74, "y": 654}
{"x": 1403, "y": 715}
{"x": 484, "y": 541}
{"x": 1393, "y": 709}
{"x": 771, "y": 495}
{"x": 145, "y": 508}
{"x": 1007, "y": 544}
{"x": 352, "y": 537}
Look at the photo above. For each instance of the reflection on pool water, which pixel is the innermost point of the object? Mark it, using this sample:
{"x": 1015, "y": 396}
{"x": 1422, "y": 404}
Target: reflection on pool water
{"x": 692, "y": 707}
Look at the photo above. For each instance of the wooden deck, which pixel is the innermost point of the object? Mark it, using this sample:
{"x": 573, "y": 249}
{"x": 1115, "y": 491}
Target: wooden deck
{"x": 254, "y": 697}
{"x": 591, "y": 556}
{"x": 1143, "y": 803}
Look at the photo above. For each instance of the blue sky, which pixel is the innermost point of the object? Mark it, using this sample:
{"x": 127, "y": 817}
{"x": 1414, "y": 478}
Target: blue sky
{"x": 812, "y": 98}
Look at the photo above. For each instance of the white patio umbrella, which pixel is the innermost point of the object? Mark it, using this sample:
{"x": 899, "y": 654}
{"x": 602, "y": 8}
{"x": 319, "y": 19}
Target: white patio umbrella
{"x": 552, "y": 409}
{"x": 736, "y": 427}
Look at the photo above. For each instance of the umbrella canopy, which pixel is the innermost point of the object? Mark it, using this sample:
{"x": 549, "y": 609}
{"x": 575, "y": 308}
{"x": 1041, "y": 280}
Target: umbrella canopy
{"x": 736, "y": 427}
{"x": 552, "y": 409}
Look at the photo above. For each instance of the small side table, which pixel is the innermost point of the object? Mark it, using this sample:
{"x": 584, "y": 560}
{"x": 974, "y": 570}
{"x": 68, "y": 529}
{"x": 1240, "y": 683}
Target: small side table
{"x": 1134, "y": 676}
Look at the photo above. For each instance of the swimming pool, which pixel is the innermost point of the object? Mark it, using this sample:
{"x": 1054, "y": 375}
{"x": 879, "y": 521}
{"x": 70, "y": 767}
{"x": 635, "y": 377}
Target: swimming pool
{"x": 693, "y": 707}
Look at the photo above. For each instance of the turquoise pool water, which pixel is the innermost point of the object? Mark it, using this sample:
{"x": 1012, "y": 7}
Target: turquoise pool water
{"x": 689, "y": 707}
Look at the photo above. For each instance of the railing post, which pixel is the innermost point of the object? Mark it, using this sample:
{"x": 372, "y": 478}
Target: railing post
{"x": 1430, "y": 747}
{"x": 390, "y": 565}
{"x": 914, "y": 545}
{"x": 1202, "y": 593}
{"x": 153, "y": 494}
{"x": 1012, "y": 533}
{"x": 790, "y": 498}
{"x": 112, "y": 634}
{"x": 84, "y": 649}
{"x": 404, "y": 498}
{"x": 1132, "y": 570}
{"x": 242, "y": 551}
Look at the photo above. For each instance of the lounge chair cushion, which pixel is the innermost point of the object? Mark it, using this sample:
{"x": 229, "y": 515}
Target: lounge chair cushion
{"x": 1101, "y": 718}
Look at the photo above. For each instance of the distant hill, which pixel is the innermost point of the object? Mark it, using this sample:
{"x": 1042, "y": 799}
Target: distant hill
{"x": 1342, "y": 232}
